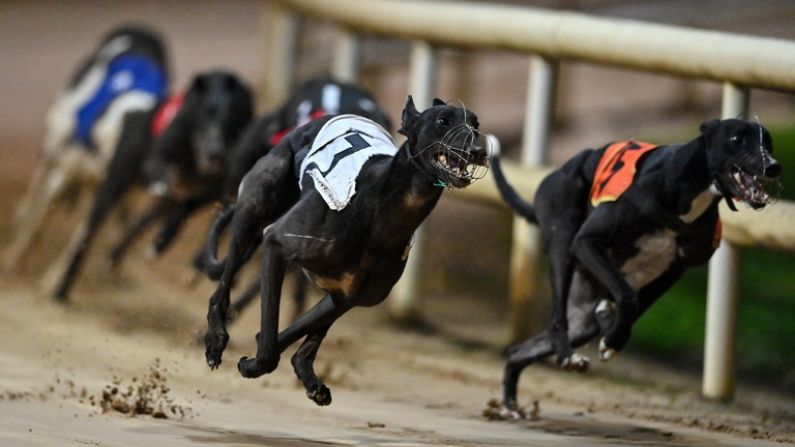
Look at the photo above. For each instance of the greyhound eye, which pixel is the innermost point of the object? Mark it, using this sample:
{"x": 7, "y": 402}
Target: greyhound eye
{"x": 735, "y": 140}
{"x": 442, "y": 121}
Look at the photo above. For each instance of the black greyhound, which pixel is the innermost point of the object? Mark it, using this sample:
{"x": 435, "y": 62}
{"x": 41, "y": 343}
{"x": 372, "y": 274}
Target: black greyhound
{"x": 187, "y": 167}
{"x": 187, "y": 157}
{"x": 352, "y": 241}
{"x": 313, "y": 99}
{"x": 126, "y": 73}
{"x": 621, "y": 224}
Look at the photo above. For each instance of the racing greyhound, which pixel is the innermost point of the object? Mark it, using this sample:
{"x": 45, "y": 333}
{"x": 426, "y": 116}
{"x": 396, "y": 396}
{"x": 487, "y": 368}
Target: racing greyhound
{"x": 126, "y": 73}
{"x": 187, "y": 168}
{"x": 178, "y": 147}
{"x": 313, "y": 99}
{"x": 339, "y": 199}
{"x": 621, "y": 224}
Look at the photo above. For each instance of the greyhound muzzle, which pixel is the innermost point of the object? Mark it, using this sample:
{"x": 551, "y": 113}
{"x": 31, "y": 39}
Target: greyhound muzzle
{"x": 753, "y": 181}
{"x": 459, "y": 158}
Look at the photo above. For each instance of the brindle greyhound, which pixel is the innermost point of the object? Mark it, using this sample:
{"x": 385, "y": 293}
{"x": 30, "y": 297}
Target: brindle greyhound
{"x": 187, "y": 157}
{"x": 313, "y": 99}
{"x": 621, "y": 224}
{"x": 127, "y": 73}
{"x": 353, "y": 245}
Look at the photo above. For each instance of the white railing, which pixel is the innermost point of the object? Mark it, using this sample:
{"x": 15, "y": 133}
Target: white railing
{"x": 739, "y": 62}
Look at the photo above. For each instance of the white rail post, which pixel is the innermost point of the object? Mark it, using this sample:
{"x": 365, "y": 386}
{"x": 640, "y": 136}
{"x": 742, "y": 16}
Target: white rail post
{"x": 281, "y": 34}
{"x": 345, "y": 63}
{"x": 404, "y": 302}
{"x": 723, "y": 289}
{"x": 526, "y": 250}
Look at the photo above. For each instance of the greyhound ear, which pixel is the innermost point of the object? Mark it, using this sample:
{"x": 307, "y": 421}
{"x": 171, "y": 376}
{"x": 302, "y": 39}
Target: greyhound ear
{"x": 231, "y": 82}
{"x": 199, "y": 84}
{"x": 708, "y": 126}
{"x": 410, "y": 114}
{"x": 438, "y": 102}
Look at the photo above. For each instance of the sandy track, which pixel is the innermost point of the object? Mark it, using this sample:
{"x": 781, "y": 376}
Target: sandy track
{"x": 390, "y": 387}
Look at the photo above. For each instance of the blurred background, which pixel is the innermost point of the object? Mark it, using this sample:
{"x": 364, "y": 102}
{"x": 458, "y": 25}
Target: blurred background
{"x": 465, "y": 278}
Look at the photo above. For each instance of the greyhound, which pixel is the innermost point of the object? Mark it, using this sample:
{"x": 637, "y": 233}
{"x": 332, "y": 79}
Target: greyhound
{"x": 183, "y": 164}
{"x": 186, "y": 170}
{"x": 126, "y": 73}
{"x": 621, "y": 224}
{"x": 340, "y": 200}
{"x": 313, "y": 99}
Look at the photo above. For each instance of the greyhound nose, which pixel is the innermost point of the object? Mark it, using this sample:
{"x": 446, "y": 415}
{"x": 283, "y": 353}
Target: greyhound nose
{"x": 773, "y": 170}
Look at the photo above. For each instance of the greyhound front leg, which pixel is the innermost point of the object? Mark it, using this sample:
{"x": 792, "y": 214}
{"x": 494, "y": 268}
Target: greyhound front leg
{"x": 617, "y": 334}
{"x": 591, "y": 248}
{"x": 315, "y": 323}
{"x": 272, "y": 277}
{"x": 303, "y": 364}
{"x": 299, "y": 294}
{"x": 245, "y": 234}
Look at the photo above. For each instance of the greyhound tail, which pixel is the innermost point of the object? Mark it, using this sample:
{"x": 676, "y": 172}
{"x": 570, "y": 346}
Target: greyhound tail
{"x": 514, "y": 200}
{"x": 214, "y": 267}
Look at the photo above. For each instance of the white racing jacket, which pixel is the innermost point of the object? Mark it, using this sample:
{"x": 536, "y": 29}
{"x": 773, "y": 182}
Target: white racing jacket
{"x": 339, "y": 151}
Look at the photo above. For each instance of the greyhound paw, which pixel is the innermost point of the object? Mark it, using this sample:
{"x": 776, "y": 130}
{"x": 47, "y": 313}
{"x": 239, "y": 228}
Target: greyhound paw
{"x": 614, "y": 340}
{"x": 606, "y": 353}
{"x": 215, "y": 343}
{"x": 510, "y": 411}
{"x": 251, "y": 368}
{"x": 605, "y": 313}
{"x": 319, "y": 394}
{"x": 576, "y": 362}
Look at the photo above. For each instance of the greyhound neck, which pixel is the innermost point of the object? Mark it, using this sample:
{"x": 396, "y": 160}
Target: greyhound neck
{"x": 687, "y": 174}
{"x": 406, "y": 198}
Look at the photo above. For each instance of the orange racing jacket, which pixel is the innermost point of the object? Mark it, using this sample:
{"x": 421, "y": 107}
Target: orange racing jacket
{"x": 616, "y": 172}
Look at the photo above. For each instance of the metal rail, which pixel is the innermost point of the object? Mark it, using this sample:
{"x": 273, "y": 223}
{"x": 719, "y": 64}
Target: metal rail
{"x": 740, "y": 62}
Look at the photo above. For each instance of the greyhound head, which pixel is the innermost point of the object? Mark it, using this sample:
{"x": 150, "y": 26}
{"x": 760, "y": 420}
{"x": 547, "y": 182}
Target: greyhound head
{"x": 445, "y": 144}
{"x": 740, "y": 159}
{"x": 133, "y": 37}
{"x": 219, "y": 106}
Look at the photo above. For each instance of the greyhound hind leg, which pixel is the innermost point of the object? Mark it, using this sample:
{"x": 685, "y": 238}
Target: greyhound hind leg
{"x": 33, "y": 212}
{"x": 582, "y": 327}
